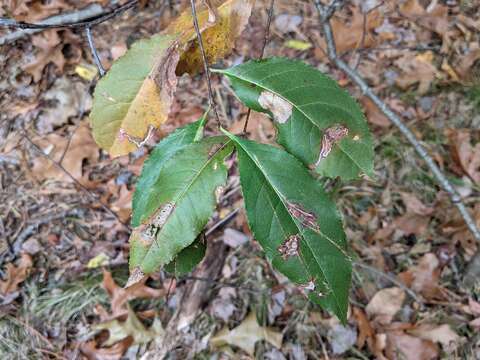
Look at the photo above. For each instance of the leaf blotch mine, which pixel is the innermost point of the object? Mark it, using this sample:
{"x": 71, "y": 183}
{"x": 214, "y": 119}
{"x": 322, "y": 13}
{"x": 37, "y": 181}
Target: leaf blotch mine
{"x": 290, "y": 247}
{"x": 215, "y": 148}
{"x": 310, "y": 286}
{"x": 331, "y": 136}
{"x": 162, "y": 215}
{"x": 280, "y": 108}
{"x": 306, "y": 218}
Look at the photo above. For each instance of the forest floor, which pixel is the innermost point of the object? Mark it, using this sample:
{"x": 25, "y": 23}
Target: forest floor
{"x": 63, "y": 255}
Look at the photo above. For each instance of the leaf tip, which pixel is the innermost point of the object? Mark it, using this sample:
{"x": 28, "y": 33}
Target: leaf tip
{"x": 136, "y": 275}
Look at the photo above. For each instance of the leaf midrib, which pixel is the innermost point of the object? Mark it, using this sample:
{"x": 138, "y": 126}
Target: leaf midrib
{"x": 294, "y": 105}
{"x": 182, "y": 194}
{"x": 291, "y": 217}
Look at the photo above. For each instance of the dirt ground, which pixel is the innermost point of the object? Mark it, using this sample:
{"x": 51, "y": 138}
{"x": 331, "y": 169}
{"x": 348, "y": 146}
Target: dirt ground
{"x": 64, "y": 230}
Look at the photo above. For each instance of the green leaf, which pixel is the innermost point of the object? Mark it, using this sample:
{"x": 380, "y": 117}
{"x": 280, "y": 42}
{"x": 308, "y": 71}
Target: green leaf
{"x": 317, "y": 121}
{"x": 182, "y": 198}
{"x": 296, "y": 223}
{"x": 145, "y": 198}
{"x": 188, "y": 258}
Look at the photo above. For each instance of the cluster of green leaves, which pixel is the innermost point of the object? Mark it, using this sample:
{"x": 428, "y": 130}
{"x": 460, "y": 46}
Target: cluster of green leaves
{"x": 320, "y": 128}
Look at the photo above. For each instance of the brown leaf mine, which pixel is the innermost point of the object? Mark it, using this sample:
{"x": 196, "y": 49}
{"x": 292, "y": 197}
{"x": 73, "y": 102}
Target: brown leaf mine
{"x": 147, "y": 234}
{"x": 307, "y": 219}
{"x": 280, "y": 108}
{"x": 290, "y": 246}
{"x": 161, "y": 217}
{"x": 331, "y": 136}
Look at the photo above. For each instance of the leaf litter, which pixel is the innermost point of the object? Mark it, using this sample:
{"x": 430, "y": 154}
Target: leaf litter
{"x": 402, "y": 199}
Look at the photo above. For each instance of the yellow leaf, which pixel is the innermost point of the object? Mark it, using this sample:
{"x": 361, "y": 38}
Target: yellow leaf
{"x": 298, "y": 45}
{"x": 246, "y": 335}
{"x": 87, "y": 72}
{"x": 99, "y": 260}
{"x": 137, "y": 92}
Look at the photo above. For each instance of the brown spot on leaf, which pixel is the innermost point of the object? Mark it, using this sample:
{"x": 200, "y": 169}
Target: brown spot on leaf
{"x": 307, "y": 219}
{"x": 215, "y": 148}
{"x": 331, "y": 136}
{"x": 280, "y": 108}
{"x": 290, "y": 246}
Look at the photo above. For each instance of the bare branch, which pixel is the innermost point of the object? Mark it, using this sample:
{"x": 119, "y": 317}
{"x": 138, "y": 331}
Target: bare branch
{"x": 262, "y": 53}
{"x": 395, "y": 119}
{"x": 93, "y": 49}
{"x": 11, "y": 23}
{"x": 211, "y": 100}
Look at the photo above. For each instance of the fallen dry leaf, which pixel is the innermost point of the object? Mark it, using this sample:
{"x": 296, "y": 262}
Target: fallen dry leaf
{"x": 465, "y": 155}
{"x": 442, "y": 334}
{"x": 123, "y": 204}
{"x": 82, "y": 148}
{"x": 385, "y": 304}
{"x": 434, "y": 18}
{"x": 71, "y": 98}
{"x": 401, "y": 346}
{"x": 424, "y": 277}
{"x": 414, "y": 205}
{"x": 351, "y": 35}
{"x": 115, "y": 352}
{"x": 246, "y": 335}
{"x": 466, "y": 63}
{"x": 16, "y": 274}
{"x": 131, "y": 327}
{"x": 373, "y": 113}
{"x": 120, "y": 296}
{"x": 416, "y": 68}
{"x": 49, "y": 47}
{"x": 366, "y": 333}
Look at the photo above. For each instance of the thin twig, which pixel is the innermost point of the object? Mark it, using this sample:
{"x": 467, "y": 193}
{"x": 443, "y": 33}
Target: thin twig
{"x": 395, "y": 119}
{"x": 262, "y": 53}
{"x": 92, "y": 11}
{"x": 222, "y": 222}
{"x": 93, "y": 49}
{"x": 211, "y": 100}
{"x": 71, "y": 25}
{"x": 78, "y": 183}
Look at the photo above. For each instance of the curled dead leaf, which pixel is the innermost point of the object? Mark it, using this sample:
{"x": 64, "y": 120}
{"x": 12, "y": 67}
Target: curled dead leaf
{"x": 120, "y": 296}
